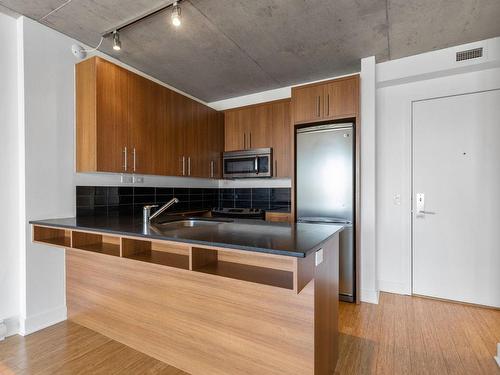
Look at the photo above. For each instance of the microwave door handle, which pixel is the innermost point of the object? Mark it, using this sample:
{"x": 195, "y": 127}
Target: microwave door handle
{"x": 256, "y": 166}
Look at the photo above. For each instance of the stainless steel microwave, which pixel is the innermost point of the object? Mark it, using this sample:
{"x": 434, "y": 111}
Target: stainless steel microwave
{"x": 253, "y": 163}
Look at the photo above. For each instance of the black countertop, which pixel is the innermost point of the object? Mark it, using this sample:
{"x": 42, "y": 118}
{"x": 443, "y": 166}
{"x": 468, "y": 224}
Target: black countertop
{"x": 295, "y": 240}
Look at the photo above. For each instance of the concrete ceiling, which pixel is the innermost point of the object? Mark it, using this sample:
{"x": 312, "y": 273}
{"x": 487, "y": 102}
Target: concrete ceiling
{"x": 228, "y": 48}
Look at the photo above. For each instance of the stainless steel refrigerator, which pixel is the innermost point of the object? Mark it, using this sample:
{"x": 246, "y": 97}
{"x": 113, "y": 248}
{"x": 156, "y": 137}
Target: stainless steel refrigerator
{"x": 325, "y": 189}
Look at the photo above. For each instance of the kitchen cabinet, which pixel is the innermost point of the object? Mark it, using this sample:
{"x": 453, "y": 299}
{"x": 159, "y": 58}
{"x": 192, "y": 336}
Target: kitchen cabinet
{"x": 101, "y": 117}
{"x": 259, "y": 126}
{"x": 324, "y": 101}
{"x": 129, "y": 124}
{"x": 248, "y": 127}
{"x": 281, "y": 139}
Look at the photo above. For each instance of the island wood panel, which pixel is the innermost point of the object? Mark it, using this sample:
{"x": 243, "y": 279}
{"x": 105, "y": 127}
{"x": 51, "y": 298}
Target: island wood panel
{"x": 326, "y": 326}
{"x": 200, "y": 323}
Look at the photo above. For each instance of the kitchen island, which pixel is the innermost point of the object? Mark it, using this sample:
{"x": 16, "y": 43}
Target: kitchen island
{"x": 206, "y": 296}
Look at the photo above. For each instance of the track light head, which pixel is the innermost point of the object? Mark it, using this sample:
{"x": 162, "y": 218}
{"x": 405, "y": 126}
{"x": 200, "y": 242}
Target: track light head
{"x": 117, "y": 44}
{"x": 176, "y": 14}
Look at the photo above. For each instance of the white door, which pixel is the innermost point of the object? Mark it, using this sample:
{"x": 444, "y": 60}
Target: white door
{"x": 456, "y": 166}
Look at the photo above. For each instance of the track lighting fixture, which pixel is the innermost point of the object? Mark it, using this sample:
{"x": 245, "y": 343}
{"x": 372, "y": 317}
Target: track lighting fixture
{"x": 117, "y": 45}
{"x": 115, "y": 32}
{"x": 176, "y": 14}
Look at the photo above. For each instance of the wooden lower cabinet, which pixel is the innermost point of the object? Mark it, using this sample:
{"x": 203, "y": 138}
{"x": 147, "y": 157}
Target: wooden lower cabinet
{"x": 126, "y": 123}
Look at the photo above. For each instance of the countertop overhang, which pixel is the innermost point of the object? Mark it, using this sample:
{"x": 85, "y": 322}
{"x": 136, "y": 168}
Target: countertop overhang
{"x": 296, "y": 240}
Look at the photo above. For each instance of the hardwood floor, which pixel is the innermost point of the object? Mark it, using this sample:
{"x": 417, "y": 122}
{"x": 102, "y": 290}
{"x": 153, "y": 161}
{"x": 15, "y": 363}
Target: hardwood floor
{"x": 412, "y": 335}
{"x": 401, "y": 335}
{"x": 68, "y": 348}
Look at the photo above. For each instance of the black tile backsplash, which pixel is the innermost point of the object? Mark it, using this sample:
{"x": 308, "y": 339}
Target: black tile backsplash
{"x": 125, "y": 200}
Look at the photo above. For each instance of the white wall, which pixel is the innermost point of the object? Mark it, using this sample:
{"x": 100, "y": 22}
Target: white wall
{"x": 402, "y": 81}
{"x": 9, "y": 189}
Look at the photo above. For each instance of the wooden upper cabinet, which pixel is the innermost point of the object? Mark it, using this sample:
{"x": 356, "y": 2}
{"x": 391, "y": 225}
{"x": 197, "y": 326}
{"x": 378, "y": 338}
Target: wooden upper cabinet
{"x": 308, "y": 103}
{"x": 341, "y": 98}
{"x": 281, "y": 139}
{"x": 261, "y": 126}
{"x": 101, "y": 117}
{"x": 129, "y": 124}
{"x": 216, "y": 143}
{"x": 323, "y": 101}
{"x": 234, "y": 138}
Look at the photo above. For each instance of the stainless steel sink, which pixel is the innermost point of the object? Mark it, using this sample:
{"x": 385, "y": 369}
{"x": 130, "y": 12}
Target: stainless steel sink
{"x": 190, "y": 223}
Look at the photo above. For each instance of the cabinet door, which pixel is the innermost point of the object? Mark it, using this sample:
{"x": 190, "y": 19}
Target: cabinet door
{"x": 112, "y": 120}
{"x": 215, "y": 143}
{"x": 281, "y": 139}
{"x": 141, "y": 124}
{"x": 180, "y": 119}
{"x": 259, "y": 126}
{"x": 233, "y": 131}
{"x": 197, "y": 142}
{"x": 307, "y": 103}
{"x": 341, "y": 98}
{"x": 159, "y": 102}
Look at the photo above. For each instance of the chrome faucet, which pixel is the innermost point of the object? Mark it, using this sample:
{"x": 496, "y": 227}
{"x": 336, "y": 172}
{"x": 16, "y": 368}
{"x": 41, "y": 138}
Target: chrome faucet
{"x": 146, "y": 211}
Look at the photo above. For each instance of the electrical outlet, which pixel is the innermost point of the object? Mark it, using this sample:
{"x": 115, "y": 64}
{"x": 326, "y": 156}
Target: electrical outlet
{"x": 126, "y": 179}
{"x": 138, "y": 180}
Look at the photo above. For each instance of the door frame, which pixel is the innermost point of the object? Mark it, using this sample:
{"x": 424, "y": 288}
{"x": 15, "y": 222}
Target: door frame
{"x": 412, "y": 174}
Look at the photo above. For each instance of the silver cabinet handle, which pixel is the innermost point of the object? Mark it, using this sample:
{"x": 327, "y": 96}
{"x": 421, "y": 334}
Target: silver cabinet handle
{"x": 189, "y": 165}
{"x": 328, "y": 104}
{"x": 319, "y": 106}
{"x": 125, "y": 158}
{"x": 256, "y": 166}
{"x": 212, "y": 168}
{"x": 183, "y": 165}
{"x": 244, "y": 141}
{"x": 134, "y": 154}
{"x": 250, "y": 140}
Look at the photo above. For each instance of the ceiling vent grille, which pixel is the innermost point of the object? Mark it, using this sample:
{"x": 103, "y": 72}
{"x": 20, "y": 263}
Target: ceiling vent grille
{"x": 470, "y": 54}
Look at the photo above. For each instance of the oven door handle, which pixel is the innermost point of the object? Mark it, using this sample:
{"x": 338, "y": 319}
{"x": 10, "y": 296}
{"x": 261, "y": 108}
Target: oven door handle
{"x": 256, "y": 166}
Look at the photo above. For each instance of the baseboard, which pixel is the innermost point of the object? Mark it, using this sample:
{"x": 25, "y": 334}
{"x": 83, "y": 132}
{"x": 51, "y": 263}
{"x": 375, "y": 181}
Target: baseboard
{"x": 370, "y": 296}
{"x": 393, "y": 287}
{"x": 43, "y": 320}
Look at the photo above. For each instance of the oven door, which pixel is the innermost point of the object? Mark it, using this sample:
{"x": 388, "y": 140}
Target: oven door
{"x": 247, "y": 164}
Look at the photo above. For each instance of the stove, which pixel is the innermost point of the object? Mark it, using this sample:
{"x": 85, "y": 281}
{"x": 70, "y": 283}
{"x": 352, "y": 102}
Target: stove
{"x": 240, "y": 213}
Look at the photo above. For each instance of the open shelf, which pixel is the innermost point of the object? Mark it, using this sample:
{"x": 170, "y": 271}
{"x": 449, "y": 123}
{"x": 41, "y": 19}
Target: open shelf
{"x": 97, "y": 243}
{"x": 206, "y": 261}
{"x": 52, "y": 236}
{"x": 156, "y": 253}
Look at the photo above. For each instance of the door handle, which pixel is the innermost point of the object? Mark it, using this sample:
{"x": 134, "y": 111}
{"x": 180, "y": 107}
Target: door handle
{"x": 256, "y": 166}
{"x": 244, "y": 141}
{"x": 421, "y": 205}
{"x": 250, "y": 140}
{"x": 183, "y": 165}
{"x": 189, "y": 165}
{"x": 328, "y": 104}
{"x": 125, "y": 158}
{"x": 134, "y": 154}
{"x": 212, "y": 168}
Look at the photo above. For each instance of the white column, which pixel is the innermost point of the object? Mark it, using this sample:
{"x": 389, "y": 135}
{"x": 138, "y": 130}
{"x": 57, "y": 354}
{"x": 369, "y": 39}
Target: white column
{"x": 368, "y": 267}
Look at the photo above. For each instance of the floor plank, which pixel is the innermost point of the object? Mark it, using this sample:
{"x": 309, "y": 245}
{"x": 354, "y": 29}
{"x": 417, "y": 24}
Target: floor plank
{"x": 401, "y": 335}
